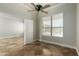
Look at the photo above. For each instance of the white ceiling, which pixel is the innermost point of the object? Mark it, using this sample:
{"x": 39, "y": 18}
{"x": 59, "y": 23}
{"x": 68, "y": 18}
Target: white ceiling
{"x": 19, "y": 9}
{"x": 15, "y": 9}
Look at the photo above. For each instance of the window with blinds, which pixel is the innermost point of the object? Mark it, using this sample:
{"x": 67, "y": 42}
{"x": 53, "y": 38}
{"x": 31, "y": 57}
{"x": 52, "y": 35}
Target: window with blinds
{"x": 46, "y": 26}
{"x": 53, "y": 25}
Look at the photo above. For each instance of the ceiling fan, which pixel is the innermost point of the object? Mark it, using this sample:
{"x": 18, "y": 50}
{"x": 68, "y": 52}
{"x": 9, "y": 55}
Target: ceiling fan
{"x": 39, "y": 8}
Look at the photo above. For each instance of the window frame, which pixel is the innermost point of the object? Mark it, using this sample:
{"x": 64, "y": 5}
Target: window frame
{"x": 51, "y": 27}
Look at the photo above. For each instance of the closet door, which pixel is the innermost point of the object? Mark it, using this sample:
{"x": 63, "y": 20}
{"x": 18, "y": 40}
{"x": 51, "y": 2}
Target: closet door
{"x": 28, "y": 31}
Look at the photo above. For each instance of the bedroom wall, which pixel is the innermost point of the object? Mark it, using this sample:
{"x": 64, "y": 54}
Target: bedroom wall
{"x": 69, "y": 20}
{"x": 12, "y": 19}
{"x": 36, "y": 27}
{"x": 10, "y": 26}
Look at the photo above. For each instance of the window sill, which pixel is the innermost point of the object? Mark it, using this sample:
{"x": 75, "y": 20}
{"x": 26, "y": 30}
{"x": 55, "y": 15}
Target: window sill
{"x": 57, "y": 36}
{"x": 53, "y": 36}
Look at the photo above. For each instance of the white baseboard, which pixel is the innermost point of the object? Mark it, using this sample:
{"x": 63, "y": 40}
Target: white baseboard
{"x": 11, "y": 36}
{"x": 77, "y": 51}
{"x": 68, "y": 46}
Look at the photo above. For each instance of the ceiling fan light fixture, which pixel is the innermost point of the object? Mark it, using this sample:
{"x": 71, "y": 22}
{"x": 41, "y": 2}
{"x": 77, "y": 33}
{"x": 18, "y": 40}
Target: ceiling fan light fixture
{"x": 39, "y": 7}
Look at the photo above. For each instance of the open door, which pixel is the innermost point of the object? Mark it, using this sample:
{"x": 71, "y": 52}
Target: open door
{"x": 28, "y": 31}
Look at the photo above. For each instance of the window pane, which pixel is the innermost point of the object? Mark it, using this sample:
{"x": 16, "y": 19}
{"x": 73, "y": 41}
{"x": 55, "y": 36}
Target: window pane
{"x": 57, "y": 25}
{"x": 46, "y": 26}
{"x": 57, "y": 32}
{"x": 57, "y": 20}
{"x": 46, "y": 22}
{"x": 46, "y": 31}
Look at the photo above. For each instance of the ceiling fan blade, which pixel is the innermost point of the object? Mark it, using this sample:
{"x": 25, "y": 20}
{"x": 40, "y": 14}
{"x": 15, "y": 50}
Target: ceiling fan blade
{"x": 46, "y": 6}
{"x": 33, "y": 5}
{"x": 44, "y": 11}
{"x": 27, "y": 5}
{"x": 31, "y": 10}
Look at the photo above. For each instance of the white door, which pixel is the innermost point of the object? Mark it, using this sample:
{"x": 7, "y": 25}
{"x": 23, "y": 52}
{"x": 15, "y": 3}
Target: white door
{"x": 28, "y": 31}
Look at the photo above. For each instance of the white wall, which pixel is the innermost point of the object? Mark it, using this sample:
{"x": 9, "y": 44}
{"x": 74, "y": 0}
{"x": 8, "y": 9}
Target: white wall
{"x": 77, "y": 26}
{"x": 12, "y": 20}
{"x": 69, "y": 18}
{"x": 10, "y": 26}
{"x": 36, "y": 26}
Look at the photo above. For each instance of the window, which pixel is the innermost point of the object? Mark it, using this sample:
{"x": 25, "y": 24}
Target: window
{"x": 57, "y": 25}
{"x": 46, "y": 26}
{"x": 53, "y": 25}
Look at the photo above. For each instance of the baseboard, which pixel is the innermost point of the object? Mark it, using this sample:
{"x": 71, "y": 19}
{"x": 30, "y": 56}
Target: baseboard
{"x": 68, "y": 46}
{"x": 77, "y": 51}
{"x": 11, "y": 36}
